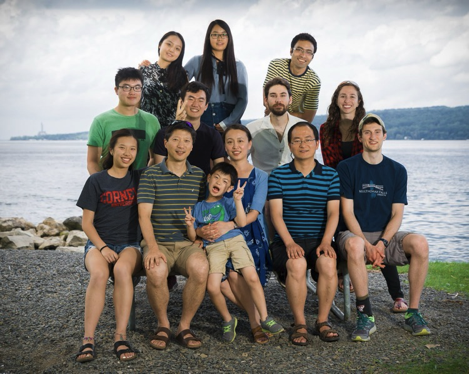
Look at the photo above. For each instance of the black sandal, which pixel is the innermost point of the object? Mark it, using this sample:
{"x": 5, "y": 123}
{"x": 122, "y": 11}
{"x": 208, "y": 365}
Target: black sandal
{"x": 83, "y": 352}
{"x": 120, "y": 352}
{"x": 323, "y": 335}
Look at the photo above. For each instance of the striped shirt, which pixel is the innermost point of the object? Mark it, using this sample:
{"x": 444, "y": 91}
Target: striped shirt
{"x": 304, "y": 199}
{"x": 170, "y": 194}
{"x": 305, "y": 87}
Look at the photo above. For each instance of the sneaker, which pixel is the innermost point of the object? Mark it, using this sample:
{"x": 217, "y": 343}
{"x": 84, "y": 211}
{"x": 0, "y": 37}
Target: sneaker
{"x": 229, "y": 330}
{"x": 416, "y": 325}
{"x": 270, "y": 326}
{"x": 365, "y": 327}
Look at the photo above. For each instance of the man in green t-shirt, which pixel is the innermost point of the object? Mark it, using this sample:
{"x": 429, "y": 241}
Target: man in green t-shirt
{"x": 125, "y": 115}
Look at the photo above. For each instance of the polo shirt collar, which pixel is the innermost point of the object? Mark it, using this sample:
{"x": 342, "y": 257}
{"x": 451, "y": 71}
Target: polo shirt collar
{"x": 165, "y": 169}
{"x": 317, "y": 169}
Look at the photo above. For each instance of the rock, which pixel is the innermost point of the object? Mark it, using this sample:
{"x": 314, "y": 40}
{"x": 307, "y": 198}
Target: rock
{"x": 76, "y": 239}
{"x": 70, "y": 249}
{"x": 18, "y": 232}
{"x": 17, "y": 242}
{"x": 73, "y": 223}
{"x": 38, "y": 241}
{"x": 46, "y": 230}
{"x": 10, "y": 223}
{"x": 51, "y": 243}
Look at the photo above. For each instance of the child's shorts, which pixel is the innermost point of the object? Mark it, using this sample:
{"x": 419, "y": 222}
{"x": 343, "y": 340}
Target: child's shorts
{"x": 234, "y": 248}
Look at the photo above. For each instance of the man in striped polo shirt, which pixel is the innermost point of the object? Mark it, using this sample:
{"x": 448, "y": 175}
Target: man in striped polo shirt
{"x": 305, "y": 83}
{"x": 304, "y": 202}
{"x": 164, "y": 191}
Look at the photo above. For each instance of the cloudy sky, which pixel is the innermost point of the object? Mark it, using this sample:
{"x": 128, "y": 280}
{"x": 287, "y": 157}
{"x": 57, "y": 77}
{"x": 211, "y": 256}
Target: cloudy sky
{"x": 58, "y": 58}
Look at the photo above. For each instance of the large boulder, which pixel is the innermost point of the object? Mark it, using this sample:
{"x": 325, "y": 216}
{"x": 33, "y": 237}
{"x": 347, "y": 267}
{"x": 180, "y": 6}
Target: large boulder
{"x": 10, "y": 223}
{"x": 52, "y": 243}
{"x": 76, "y": 239}
{"x": 73, "y": 223}
{"x": 17, "y": 242}
{"x": 38, "y": 241}
{"x": 50, "y": 227}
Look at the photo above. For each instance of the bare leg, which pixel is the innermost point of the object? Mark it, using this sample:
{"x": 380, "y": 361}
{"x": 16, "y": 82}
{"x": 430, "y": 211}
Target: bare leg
{"x": 355, "y": 248}
{"x": 98, "y": 268}
{"x": 256, "y": 290}
{"x": 130, "y": 261}
{"x": 295, "y": 285}
{"x": 218, "y": 300}
{"x": 327, "y": 285}
{"x": 194, "y": 291}
{"x": 417, "y": 247}
{"x": 158, "y": 296}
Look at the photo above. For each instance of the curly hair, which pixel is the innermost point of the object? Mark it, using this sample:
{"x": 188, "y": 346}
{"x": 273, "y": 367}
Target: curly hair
{"x": 333, "y": 116}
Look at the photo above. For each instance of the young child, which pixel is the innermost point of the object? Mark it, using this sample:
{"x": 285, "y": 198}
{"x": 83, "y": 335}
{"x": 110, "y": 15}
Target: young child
{"x": 232, "y": 245}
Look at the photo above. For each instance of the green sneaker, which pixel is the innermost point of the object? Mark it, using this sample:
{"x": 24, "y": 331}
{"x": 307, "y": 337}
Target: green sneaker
{"x": 229, "y": 330}
{"x": 270, "y": 326}
{"x": 365, "y": 327}
{"x": 416, "y": 325}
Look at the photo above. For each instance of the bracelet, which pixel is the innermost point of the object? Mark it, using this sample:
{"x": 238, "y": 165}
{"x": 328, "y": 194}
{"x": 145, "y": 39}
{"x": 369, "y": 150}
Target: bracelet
{"x": 104, "y": 246}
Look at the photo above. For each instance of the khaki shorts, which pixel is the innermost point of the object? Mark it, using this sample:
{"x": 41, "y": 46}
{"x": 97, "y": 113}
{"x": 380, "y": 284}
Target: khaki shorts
{"x": 234, "y": 248}
{"x": 394, "y": 253}
{"x": 177, "y": 254}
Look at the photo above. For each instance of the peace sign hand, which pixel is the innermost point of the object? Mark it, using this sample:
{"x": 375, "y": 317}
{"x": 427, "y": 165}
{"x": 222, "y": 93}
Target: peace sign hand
{"x": 239, "y": 192}
{"x": 189, "y": 219}
{"x": 181, "y": 114}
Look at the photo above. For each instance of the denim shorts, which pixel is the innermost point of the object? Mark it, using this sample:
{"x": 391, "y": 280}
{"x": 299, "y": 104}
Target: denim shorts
{"x": 118, "y": 248}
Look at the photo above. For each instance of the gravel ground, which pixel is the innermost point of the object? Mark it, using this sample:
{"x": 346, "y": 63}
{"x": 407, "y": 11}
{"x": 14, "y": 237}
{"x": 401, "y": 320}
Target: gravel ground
{"x": 41, "y": 326}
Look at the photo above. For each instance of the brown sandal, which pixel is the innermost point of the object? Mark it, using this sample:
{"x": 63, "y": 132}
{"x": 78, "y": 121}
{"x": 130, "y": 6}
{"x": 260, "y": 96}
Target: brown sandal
{"x": 323, "y": 335}
{"x": 260, "y": 337}
{"x": 162, "y": 338}
{"x": 295, "y": 335}
{"x": 184, "y": 341}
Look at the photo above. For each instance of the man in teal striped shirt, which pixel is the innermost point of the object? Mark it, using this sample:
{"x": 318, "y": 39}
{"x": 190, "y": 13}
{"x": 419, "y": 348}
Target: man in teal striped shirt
{"x": 164, "y": 191}
{"x": 304, "y": 201}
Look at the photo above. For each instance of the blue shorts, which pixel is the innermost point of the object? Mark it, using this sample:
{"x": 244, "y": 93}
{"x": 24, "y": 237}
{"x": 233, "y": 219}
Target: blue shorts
{"x": 118, "y": 248}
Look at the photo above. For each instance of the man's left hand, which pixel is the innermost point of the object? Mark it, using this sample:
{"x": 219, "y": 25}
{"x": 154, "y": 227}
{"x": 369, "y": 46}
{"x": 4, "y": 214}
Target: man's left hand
{"x": 326, "y": 249}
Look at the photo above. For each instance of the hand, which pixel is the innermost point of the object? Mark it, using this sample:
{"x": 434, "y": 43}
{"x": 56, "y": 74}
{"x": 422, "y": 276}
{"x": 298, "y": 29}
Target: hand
{"x": 294, "y": 251}
{"x": 181, "y": 113}
{"x": 373, "y": 256}
{"x": 239, "y": 192}
{"x": 213, "y": 231}
{"x": 110, "y": 256}
{"x": 379, "y": 255}
{"x": 219, "y": 128}
{"x": 189, "y": 219}
{"x": 327, "y": 249}
{"x": 153, "y": 259}
{"x": 144, "y": 63}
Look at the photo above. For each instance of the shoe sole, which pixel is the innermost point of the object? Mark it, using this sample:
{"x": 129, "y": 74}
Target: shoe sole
{"x": 422, "y": 332}
{"x": 360, "y": 339}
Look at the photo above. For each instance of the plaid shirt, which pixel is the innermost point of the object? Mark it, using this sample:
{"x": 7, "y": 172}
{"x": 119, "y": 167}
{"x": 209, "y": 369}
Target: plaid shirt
{"x": 332, "y": 153}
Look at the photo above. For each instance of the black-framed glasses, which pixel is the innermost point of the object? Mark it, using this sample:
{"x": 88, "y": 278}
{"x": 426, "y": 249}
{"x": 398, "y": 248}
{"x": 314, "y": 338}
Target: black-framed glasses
{"x": 301, "y": 51}
{"x": 306, "y": 141}
{"x": 215, "y": 35}
{"x": 185, "y": 122}
{"x": 127, "y": 88}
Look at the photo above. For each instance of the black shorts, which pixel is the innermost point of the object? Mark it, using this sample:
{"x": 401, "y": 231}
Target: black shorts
{"x": 279, "y": 256}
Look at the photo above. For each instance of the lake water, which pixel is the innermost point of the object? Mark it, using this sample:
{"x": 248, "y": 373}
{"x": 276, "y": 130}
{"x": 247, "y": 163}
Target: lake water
{"x": 44, "y": 179}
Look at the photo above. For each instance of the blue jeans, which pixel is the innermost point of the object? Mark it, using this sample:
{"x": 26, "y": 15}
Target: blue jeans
{"x": 216, "y": 112}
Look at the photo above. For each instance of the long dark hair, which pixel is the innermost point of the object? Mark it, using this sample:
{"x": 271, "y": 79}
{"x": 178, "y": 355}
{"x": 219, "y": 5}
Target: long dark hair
{"x": 176, "y": 75}
{"x": 334, "y": 113}
{"x": 229, "y": 60}
{"x": 108, "y": 161}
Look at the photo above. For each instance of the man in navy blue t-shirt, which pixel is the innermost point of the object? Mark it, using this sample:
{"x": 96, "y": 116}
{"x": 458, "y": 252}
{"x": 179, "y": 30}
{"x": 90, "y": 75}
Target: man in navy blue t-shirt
{"x": 373, "y": 195}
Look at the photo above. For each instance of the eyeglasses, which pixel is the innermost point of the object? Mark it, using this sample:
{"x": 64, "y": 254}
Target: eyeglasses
{"x": 127, "y": 88}
{"x": 185, "y": 122}
{"x": 301, "y": 51}
{"x": 306, "y": 141}
{"x": 221, "y": 36}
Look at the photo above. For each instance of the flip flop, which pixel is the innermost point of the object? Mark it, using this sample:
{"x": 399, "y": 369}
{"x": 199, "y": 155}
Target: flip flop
{"x": 400, "y": 306}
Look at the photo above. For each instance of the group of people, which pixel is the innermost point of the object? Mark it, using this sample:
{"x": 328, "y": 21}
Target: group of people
{"x": 223, "y": 204}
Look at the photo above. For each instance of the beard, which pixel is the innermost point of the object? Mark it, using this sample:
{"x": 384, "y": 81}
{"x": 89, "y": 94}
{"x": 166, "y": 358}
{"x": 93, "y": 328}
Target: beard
{"x": 280, "y": 111}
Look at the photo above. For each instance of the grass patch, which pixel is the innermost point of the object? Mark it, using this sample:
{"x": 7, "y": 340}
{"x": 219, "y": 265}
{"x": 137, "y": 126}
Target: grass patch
{"x": 452, "y": 277}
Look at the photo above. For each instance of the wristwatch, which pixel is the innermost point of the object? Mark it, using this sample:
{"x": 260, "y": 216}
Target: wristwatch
{"x": 385, "y": 242}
